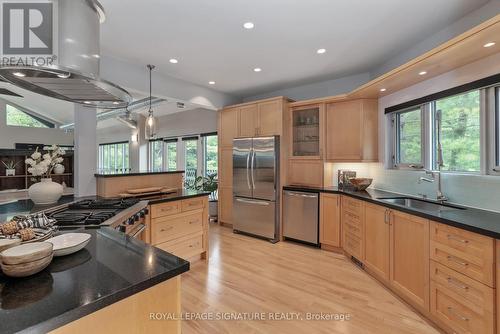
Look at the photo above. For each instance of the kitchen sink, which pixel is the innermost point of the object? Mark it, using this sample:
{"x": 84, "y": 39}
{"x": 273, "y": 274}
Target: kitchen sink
{"x": 418, "y": 204}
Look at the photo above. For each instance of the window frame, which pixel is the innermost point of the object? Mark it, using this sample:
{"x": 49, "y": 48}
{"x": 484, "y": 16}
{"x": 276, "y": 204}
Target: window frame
{"x": 151, "y": 143}
{"x": 492, "y": 121}
{"x": 48, "y": 124}
{"x": 395, "y": 156}
{"x": 104, "y": 156}
{"x": 204, "y": 142}
{"x": 166, "y": 143}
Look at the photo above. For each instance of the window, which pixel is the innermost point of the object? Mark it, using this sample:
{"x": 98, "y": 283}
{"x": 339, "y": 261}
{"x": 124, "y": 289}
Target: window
{"x": 16, "y": 117}
{"x": 156, "y": 155}
{"x": 442, "y": 134}
{"x": 114, "y": 158}
{"x": 409, "y": 138}
{"x": 496, "y": 131}
{"x": 171, "y": 149}
{"x": 209, "y": 155}
{"x": 191, "y": 158}
{"x": 458, "y": 131}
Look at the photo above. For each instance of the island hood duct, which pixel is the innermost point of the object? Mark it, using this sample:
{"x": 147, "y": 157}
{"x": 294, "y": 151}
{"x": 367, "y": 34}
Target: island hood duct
{"x": 74, "y": 74}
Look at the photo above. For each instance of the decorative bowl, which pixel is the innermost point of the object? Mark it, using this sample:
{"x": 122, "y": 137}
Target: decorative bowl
{"x": 360, "y": 183}
{"x": 69, "y": 243}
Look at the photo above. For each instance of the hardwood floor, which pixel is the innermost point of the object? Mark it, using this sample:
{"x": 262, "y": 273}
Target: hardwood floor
{"x": 251, "y": 275}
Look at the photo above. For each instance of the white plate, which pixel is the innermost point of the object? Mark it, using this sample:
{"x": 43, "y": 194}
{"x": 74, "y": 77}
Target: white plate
{"x": 69, "y": 243}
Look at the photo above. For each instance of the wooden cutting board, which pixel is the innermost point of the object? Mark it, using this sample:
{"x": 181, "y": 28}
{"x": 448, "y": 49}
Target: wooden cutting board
{"x": 26, "y": 253}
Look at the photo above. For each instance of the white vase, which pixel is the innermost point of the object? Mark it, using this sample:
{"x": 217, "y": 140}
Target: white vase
{"x": 58, "y": 169}
{"x": 45, "y": 192}
{"x": 10, "y": 172}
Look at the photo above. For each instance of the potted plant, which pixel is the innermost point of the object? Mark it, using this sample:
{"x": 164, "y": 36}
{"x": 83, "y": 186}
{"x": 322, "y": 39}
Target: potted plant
{"x": 40, "y": 166}
{"x": 210, "y": 184}
{"x": 10, "y": 167}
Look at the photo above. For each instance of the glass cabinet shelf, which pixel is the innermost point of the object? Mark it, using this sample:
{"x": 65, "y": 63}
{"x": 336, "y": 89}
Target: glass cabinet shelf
{"x": 305, "y": 132}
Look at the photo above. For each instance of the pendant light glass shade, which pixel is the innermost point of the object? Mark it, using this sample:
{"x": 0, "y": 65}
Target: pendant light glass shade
{"x": 150, "y": 126}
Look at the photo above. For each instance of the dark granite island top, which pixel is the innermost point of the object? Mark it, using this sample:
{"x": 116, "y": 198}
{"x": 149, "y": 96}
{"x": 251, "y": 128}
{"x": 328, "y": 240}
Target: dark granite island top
{"x": 135, "y": 173}
{"x": 475, "y": 220}
{"x": 110, "y": 268}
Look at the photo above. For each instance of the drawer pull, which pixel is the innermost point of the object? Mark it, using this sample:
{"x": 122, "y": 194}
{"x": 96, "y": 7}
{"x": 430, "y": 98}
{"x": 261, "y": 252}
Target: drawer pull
{"x": 167, "y": 209}
{"x": 457, "y": 260}
{"x": 451, "y": 281}
{"x": 166, "y": 229}
{"x": 453, "y": 312}
{"x": 193, "y": 222}
{"x": 457, "y": 238}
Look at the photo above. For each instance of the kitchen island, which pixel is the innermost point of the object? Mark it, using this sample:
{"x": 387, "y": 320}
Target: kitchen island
{"x": 114, "y": 284}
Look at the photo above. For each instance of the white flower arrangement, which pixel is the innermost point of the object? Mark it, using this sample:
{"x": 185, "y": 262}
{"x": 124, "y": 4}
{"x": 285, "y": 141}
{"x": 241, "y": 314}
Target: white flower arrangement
{"x": 41, "y": 165}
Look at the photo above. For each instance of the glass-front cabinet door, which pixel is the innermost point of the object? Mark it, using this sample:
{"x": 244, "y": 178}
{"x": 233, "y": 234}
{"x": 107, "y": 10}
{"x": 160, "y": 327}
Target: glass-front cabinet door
{"x": 306, "y": 131}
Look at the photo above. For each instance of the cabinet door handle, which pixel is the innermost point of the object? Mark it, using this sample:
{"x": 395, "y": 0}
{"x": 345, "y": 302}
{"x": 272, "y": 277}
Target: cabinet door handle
{"x": 451, "y": 281}
{"x": 386, "y": 219}
{"x": 453, "y": 312}
{"x": 166, "y": 229}
{"x": 457, "y": 238}
{"x": 457, "y": 260}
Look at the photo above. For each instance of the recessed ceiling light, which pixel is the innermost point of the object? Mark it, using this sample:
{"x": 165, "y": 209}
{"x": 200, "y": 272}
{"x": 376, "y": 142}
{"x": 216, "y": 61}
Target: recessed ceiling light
{"x": 383, "y": 89}
{"x": 64, "y": 75}
{"x": 19, "y": 74}
{"x": 489, "y": 44}
{"x": 173, "y": 61}
{"x": 96, "y": 56}
{"x": 321, "y": 51}
{"x": 86, "y": 102}
{"x": 422, "y": 73}
{"x": 116, "y": 103}
{"x": 211, "y": 82}
{"x": 248, "y": 25}
{"x": 257, "y": 69}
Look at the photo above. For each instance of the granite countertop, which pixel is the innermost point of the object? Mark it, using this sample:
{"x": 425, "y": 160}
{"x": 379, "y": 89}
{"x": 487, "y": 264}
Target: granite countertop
{"x": 26, "y": 206}
{"x": 475, "y": 220}
{"x": 136, "y": 173}
{"x": 180, "y": 194}
{"x": 112, "y": 267}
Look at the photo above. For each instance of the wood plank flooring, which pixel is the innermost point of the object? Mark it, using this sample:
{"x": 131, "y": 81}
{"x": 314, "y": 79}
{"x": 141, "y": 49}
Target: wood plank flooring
{"x": 250, "y": 275}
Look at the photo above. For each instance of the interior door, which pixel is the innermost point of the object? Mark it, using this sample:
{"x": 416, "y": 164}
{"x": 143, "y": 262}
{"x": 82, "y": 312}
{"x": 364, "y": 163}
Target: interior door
{"x": 242, "y": 154}
{"x": 263, "y": 167}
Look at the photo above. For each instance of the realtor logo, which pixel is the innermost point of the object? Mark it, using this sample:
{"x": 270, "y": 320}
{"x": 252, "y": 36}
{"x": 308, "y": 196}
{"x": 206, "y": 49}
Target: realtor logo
{"x": 27, "y": 28}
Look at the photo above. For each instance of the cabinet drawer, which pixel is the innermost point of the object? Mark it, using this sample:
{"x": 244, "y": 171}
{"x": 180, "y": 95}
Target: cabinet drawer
{"x": 352, "y": 226}
{"x": 457, "y": 313}
{"x": 468, "y": 253}
{"x": 352, "y": 205}
{"x": 192, "y": 203}
{"x": 352, "y": 245}
{"x": 169, "y": 228}
{"x": 467, "y": 288}
{"x": 185, "y": 247}
{"x": 165, "y": 209}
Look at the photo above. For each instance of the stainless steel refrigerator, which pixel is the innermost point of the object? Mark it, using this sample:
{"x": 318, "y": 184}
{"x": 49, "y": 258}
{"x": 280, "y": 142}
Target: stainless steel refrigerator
{"x": 255, "y": 186}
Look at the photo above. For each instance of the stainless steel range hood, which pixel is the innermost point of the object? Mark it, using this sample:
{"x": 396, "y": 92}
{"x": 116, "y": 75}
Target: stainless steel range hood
{"x": 74, "y": 75}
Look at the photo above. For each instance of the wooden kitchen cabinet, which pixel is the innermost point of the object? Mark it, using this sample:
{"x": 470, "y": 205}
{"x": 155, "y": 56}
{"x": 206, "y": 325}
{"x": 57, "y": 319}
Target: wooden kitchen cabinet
{"x": 249, "y": 119}
{"x": 226, "y": 167}
{"x": 353, "y": 227}
{"x": 228, "y": 126}
{"x": 377, "y": 241}
{"x": 226, "y": 205}
{"x": 312, "y": 173}
{"x": 329, "y": 220}
{"x": 307, "y": 131}
{"x": 270, "y": 118}
{"x": 409, "y": 260}
{"x": 352, "y": 131}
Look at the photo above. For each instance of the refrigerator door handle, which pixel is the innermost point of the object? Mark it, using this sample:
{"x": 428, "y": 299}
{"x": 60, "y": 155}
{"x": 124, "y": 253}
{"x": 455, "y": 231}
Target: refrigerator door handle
{"x": 248, "y": 201}
{"x": 251, "y": 168}
{"x": 248, "y": 167}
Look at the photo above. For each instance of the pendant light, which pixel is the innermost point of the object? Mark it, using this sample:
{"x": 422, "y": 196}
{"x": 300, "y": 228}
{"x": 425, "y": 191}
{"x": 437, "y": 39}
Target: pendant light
{"x": 150, "y": 128}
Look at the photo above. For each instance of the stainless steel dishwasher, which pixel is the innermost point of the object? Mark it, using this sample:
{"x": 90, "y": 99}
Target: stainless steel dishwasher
{"x": 300, "y": 216}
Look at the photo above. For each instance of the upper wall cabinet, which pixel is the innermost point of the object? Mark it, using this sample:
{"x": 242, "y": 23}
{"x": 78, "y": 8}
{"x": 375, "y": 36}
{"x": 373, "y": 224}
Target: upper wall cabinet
{"x": 249, "y": 120}
{"x": 228, "y": 126}
{"x": 306, "y": 124}
{"x": 352, "y": 131}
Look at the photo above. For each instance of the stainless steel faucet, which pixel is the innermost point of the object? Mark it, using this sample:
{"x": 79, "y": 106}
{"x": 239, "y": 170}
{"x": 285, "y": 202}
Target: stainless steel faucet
{"x": 435, "y": 175}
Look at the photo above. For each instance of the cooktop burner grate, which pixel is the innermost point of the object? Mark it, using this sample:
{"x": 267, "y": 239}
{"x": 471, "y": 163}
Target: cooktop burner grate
{"x": 104, "y": 204}
{"x": 65, "y": 218}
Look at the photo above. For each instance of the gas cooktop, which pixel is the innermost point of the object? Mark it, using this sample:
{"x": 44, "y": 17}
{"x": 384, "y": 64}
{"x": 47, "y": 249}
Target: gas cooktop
{"x": 90, "y": 213}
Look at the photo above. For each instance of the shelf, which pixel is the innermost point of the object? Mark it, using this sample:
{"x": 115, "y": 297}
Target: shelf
{"x": 11, "y": 177}
{"x": 307, "y": 141}
{"x": 314, "y": 125}
{"x": 63, "y": 174}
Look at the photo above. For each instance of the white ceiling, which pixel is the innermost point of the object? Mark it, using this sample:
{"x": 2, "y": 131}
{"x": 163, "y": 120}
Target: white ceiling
{"x": 210, "y": 43}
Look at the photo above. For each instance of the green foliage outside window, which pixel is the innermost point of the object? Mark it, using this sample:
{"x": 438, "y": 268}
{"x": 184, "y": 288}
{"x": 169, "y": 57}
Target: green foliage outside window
{"x": 210, "y": 155}
{"x": 460, "y": 132}
{"x": 16, "y": 117}
{"x": 410, "y": 137}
